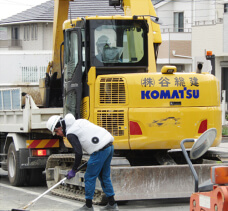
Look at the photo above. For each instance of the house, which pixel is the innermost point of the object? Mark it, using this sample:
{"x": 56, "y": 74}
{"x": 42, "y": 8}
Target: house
{"x": 31, "y": 31}
{"x": 26, "y": 49}
{"x": 25, "y": 53}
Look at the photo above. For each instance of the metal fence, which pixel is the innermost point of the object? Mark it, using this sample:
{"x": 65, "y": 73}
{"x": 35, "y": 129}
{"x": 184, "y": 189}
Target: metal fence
{"x": 175, "y": 30}
{"x": 32, "y": 74}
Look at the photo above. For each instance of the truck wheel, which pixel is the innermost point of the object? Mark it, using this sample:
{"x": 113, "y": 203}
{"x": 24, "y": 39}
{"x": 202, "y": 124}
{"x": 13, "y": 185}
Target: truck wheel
{"x": 16, "y": 175}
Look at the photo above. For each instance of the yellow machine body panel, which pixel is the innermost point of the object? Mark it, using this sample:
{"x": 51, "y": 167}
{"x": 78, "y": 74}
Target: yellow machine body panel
{"x": 60, "y": 14}
{"x": 165, "y": 128}
{"x": 157, "y": 111}
{"x": 160, "y": 90}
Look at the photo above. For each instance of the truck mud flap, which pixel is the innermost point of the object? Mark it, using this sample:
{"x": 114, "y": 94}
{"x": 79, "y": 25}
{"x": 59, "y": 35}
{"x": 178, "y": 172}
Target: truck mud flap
{"x": 27, "y": 161}
{"x": 156, "y": 182}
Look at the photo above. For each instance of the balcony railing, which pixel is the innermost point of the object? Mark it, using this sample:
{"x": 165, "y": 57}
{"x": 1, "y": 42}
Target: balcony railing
{"x": 10, "y": 43}
{"x": 176, "y": 30}
{"x": 208, "y": 22}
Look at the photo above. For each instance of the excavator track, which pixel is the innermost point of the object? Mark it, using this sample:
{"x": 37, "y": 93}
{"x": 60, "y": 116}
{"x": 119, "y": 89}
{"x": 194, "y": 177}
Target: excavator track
{"x": 129, "y": 182}
{"x": 57, "y": 167}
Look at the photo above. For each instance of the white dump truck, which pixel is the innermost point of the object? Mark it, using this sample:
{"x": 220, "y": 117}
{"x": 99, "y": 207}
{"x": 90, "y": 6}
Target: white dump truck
{"x": 24, "y": 147}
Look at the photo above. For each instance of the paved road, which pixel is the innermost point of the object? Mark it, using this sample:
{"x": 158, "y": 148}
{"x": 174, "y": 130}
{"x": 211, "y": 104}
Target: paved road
{"x": 225, "y": 139}
{"x": 17, "y": 197}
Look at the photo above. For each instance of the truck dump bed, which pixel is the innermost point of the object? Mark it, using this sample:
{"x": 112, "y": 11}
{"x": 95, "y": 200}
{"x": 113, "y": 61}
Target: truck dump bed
{"x": 14, "y": 118}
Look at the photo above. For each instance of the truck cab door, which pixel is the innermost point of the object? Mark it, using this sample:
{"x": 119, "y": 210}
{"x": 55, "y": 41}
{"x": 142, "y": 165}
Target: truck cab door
{"x": 72, "y": 72}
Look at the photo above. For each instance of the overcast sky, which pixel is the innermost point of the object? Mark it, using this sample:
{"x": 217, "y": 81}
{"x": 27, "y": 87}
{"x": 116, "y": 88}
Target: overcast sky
{"x": 12, "y": 7}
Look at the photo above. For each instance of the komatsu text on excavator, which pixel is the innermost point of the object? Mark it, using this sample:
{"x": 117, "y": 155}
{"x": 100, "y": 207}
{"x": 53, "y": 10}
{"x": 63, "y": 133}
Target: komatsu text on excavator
{"x": 104, "y": 70}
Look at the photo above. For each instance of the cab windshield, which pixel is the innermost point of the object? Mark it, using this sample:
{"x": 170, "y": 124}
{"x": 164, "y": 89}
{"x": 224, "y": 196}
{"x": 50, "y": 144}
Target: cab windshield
{"x": 118, "y": 42}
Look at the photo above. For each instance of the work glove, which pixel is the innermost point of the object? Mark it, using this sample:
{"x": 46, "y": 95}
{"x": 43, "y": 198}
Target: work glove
{"x": 71, "y": 174}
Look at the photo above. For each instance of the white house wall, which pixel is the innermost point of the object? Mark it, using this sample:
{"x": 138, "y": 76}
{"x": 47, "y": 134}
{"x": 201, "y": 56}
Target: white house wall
{"x": 12, "y": 63}
{"x": 23, "y": 69}
{"x": 43, "y": 41}
{"x": 44, "y": 37}
{"x": 166, "y": 14}
{"x": 225, "y": 32}
{"x": 208, "y": 37}
{"x": 186, "y": 7}
{"x": 204, "y": 10}
{"x": 47, "y": 36}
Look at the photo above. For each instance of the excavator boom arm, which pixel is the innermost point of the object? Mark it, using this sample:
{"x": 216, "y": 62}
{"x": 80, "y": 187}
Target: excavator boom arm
{"x": 61, "y": 8}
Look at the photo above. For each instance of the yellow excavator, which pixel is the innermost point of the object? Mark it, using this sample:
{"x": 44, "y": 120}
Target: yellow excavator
{"x": 104, "y": 70}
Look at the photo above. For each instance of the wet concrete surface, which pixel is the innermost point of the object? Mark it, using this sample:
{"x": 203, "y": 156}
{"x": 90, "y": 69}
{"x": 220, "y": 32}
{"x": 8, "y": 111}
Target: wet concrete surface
{"x": 17, "y": 197}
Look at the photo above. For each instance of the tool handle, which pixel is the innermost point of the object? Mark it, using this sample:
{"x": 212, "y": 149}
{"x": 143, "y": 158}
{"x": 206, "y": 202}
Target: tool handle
{"x": 81, "y": 166}
{"x": 54, "y": 186}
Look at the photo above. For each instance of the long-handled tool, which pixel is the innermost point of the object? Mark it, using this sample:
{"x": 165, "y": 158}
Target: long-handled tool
{"x": 47, "y": 191}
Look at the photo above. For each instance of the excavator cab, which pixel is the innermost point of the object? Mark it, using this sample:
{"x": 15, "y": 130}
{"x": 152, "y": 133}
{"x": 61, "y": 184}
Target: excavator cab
{"x": 116, "y": 43}
{"x": 110, "y": 45}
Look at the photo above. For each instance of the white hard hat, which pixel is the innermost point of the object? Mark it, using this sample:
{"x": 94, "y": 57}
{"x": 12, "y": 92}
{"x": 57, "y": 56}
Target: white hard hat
{"x": 102, "y": 40}
{"x": 51, "y": 123}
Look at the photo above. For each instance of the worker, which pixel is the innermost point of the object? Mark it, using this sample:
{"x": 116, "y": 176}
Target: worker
{"x": 102, "y": 41}
{"x": 96, "y": 141}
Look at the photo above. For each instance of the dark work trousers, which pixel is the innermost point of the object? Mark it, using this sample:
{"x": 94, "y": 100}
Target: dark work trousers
{"x": 99, "y": 166}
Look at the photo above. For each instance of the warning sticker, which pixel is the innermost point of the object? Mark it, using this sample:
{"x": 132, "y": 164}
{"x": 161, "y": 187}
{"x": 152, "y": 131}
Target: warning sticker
{"x": 205, "y": 201}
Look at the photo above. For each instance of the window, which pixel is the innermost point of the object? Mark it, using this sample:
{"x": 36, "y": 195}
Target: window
{"x": 34, "y": 31}
{"x": 26, "y": 32}
{"x": 225, "y": 8}
{"x": 71, "y": 54}
{"x": 15, "y": 36}
{"x": 178, "y": 22}
{"x": 107, "y": 50}
{"x": 118, "y": 42}
{"x": 15, "y": 33}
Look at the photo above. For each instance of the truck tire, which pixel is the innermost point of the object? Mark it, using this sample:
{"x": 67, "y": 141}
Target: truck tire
{"x": 16, "y": 175}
